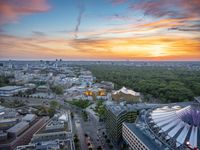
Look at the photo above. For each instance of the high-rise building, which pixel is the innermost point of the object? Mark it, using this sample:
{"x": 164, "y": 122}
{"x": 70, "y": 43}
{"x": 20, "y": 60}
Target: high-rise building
{"x": 116, "y": 114}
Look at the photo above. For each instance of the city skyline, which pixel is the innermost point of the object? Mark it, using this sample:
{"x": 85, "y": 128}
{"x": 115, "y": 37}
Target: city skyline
{"x": 100, "y": 30}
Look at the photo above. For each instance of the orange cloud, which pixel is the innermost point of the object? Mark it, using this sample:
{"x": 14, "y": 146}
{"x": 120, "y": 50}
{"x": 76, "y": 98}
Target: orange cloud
{"x": 141, "y": 48}
{"x": 11, "y": 11}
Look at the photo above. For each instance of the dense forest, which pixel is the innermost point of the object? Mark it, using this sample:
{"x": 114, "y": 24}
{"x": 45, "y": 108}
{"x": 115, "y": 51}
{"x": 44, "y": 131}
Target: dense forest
{"x": 163, "y": 83}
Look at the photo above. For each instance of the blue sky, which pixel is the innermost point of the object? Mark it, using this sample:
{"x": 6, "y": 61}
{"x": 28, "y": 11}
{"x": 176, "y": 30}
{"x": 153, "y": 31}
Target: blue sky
{"x": 100, "y": 29}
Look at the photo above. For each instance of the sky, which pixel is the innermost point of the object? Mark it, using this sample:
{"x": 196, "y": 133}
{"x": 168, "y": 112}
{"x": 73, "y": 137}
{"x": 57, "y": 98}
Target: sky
{"x": 139, "y": 30}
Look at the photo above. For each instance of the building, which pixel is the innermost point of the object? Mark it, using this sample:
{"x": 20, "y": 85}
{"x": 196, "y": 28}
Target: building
{"x": 64, "y": 117}
{"x": 29, "y": 118}
{"x": 7, "y": 123}
{"x": 127, "y": 95}
{"x": 136, "y": 139}
{"x": 11, "y": 90}
{"x": 18, "y": 129}
{"x": 55, "y": 125}
{"x": 8, "y": 113}
{"x": 94, "y": 93}
{"x": 86, "y": 79}
{"x": 43, "y": 95}
{"x": 48, "y": 145}
{"x": 3, "y": 135}
{"x": 108, "y": 86}
{"x": 50, "y": 136}
{"x": 176, "y": 127}
{"x": 43, "y": 88}
{"x": 116, "y": 114}
{"x": 2, "y": 109}
{"x": 21, "y": 136}
{"x": 56, "y": 128}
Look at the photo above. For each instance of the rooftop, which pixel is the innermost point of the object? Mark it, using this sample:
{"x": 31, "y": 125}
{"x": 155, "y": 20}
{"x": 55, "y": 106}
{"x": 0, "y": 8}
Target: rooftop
{"x": 144, "y": 138}
{"x": 127, "y": 91}
{"x": 54, "y": 144}
{"x": 55, "y": 122}
{"x": 63, "y": 117}
{"x": 8, "y": 120}
{"x": 117, "y": 109}
{"x": 29, "y": 117}
{"x": 179, "y": 124}
{"x": 18, "y": 126}
{"x": 9, "y": 88}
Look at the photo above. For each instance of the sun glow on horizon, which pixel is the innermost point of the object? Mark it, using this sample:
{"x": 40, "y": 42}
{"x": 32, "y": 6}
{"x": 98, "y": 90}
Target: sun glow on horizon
{"x": 101, "y": 30}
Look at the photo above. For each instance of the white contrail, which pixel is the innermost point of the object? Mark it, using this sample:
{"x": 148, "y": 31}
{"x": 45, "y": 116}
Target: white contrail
{"x": 81, "y": 8}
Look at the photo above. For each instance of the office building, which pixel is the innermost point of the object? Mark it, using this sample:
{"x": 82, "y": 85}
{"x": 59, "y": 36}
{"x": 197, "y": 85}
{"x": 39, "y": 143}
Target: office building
{"x": 116, "y": 114}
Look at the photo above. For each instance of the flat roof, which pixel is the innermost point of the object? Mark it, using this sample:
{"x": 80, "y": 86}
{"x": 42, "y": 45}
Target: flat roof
{"x": 8, "y": 88}
{"x": 44, "y": 131}
{"x": 144, "y": 138}
{"x": 117, "y": 109}
{"x": 29, "y": 117}
{"x": 18, "y": 126}
{"x": 8, "y": 120}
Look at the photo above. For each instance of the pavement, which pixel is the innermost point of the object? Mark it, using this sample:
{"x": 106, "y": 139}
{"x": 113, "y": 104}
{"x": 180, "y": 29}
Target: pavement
{"x": 90, "y": 127}
{"x": 80, "y": 132}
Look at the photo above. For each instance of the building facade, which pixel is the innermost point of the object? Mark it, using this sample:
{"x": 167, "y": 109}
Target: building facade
{"x": 135, "y": 139}
{"x": 115, "y": 116}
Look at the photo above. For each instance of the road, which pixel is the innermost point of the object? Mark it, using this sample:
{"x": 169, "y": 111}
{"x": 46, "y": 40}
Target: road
{"x": 80, "y": 132}
{"x": 89, "y": 127}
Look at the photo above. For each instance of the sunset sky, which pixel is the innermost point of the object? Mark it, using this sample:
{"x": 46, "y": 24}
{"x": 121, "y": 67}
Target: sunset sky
{"x": 100, "y": 29}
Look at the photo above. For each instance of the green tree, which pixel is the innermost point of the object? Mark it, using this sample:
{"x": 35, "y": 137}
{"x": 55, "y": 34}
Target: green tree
{"x": 166, "y": 84}
{"x": 54, "y": 105}
{"x": 57, "y": 89}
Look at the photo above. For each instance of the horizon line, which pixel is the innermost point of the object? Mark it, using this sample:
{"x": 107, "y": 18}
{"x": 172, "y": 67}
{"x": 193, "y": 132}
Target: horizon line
{"x": 84, "y": 60}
